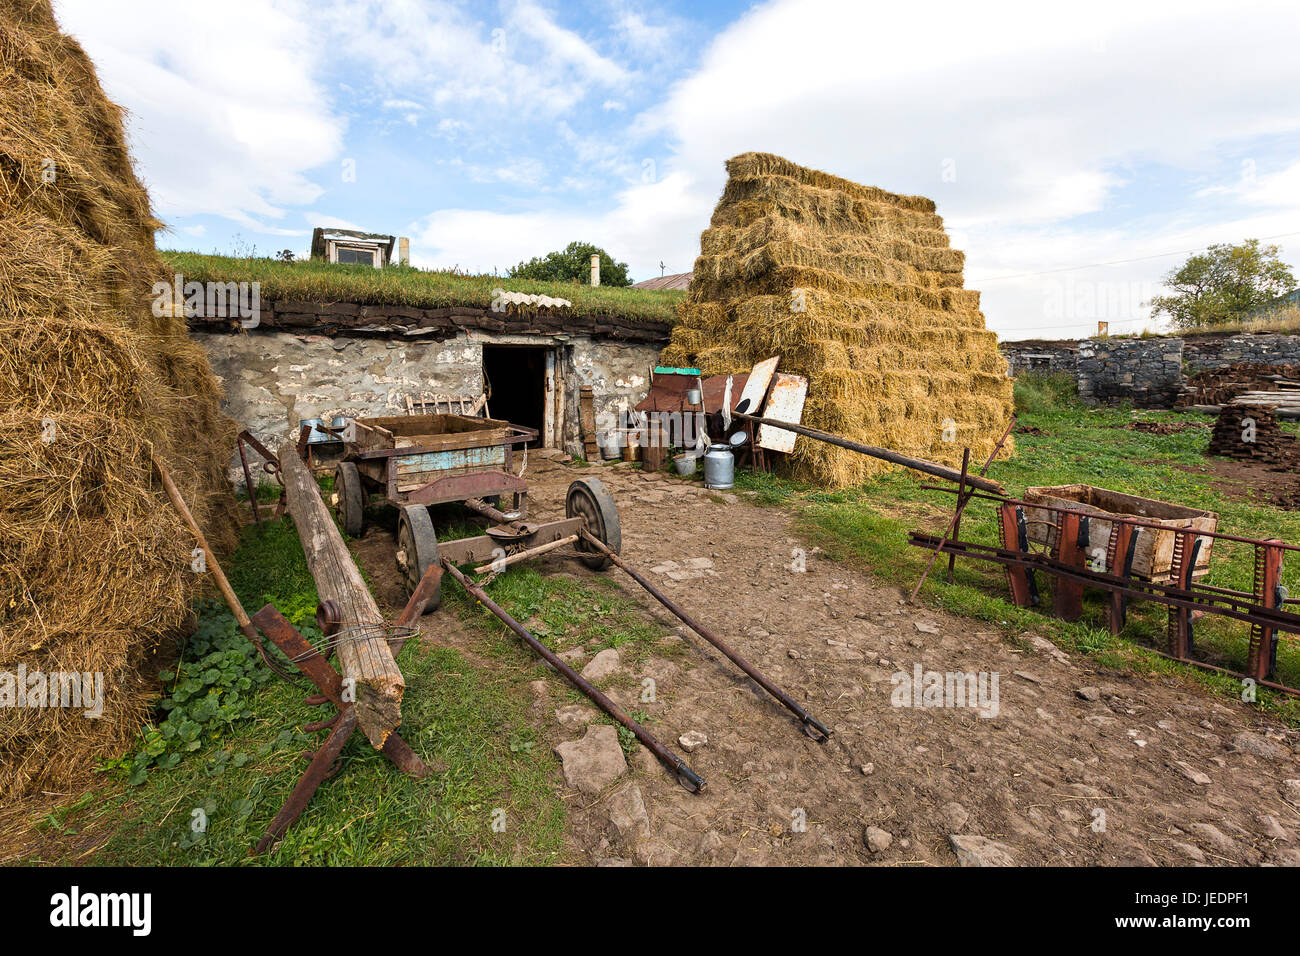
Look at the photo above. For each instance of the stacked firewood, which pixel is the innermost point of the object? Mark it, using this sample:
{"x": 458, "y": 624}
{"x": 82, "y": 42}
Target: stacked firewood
{"x": 1220, "y": 386}
{"x": 1251, "y": 433}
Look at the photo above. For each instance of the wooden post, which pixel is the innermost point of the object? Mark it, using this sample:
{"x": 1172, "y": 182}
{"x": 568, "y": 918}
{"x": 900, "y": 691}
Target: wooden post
{"x": 1067, "y": 595}
{"x": 363, "y": 654}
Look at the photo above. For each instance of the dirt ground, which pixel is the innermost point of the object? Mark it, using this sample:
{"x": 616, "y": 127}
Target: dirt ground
{"x": 1078, "y": 767}
{"x": 1276, "y": 485}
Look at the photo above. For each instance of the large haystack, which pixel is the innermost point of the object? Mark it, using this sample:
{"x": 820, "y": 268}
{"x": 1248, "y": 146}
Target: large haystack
{"x": 94, "y": 563}
{"x": 857, "y": 289}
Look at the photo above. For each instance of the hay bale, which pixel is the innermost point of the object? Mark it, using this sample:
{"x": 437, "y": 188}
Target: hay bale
{"x": 94, "y": 563}
{"x": 857, "y": 289}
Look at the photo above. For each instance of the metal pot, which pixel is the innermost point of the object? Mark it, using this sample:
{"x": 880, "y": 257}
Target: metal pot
{"x": 686, "y": 465}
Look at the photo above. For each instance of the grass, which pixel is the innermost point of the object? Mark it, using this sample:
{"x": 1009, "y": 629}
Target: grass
{"x": 405, "y": 285}
{"x": 472, "y": 718}
{"x": 1065, "y": 443}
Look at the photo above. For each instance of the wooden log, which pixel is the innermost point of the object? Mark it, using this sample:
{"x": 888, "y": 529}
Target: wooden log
{"x": 366, "y": 661}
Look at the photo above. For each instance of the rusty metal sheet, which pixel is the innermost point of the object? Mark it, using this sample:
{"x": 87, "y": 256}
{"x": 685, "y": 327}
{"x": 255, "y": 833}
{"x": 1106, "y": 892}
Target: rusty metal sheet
{"x": 760, "y": 377}
{"x": 784, "y": 404}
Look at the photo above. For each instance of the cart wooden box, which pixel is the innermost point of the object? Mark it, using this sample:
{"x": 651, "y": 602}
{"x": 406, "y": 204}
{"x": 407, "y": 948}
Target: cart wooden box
{"x": 431, "y": 459}
{"x": 1154, "y": 554}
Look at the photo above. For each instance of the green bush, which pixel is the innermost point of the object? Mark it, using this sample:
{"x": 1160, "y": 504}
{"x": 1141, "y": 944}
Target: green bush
{"x": 1039, "y": 393}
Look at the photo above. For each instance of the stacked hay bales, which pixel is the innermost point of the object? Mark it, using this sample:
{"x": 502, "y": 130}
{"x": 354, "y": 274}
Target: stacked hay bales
{"x": 857, "y": 289}
{"x": 94, "y": 563}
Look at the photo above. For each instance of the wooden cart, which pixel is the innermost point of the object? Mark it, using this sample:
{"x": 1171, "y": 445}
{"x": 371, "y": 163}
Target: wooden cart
{"x": 1154, "y": 554}
{"x": 415, "y": 461}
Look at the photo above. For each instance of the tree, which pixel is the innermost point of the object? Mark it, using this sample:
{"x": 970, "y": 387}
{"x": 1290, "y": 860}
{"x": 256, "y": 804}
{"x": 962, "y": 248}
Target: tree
{"x": 573, "y": 264}
{"x": 1224, "y": 284}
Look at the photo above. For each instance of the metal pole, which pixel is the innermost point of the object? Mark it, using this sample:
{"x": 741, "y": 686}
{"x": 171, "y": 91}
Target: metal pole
{"x": 810, "y": 723}
{"x": 675, "y": 764}
{"x": 884, "y": 454}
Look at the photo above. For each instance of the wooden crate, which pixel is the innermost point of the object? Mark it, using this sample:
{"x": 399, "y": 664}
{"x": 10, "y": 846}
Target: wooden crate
{"x": 1154, "y": 557}
{"x": 441, "y": 445}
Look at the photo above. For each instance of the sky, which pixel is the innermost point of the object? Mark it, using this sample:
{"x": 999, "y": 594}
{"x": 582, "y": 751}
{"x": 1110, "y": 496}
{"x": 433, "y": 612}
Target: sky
{"x": 1076, "y": 152}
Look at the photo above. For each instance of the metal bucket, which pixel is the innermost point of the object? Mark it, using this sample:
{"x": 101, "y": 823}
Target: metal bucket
{"x": 693, "y": 396}
{"x": 317, "y": 435}
{"x": 719, "y": 468}
{"x": 686, "y": 465}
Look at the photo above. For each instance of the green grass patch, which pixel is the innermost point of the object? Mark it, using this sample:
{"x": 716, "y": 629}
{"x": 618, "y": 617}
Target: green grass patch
{"x": 212, "y": 803}
{"x": 314, "y": 281}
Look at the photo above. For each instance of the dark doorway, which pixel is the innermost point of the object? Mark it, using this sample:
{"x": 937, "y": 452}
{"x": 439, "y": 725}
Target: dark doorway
{"x": 516, "y": 385}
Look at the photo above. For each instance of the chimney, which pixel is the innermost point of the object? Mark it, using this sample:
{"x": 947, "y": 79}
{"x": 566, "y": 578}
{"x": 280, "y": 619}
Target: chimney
{"x": 595, "y": 270}
{"x": 404, "y": 251}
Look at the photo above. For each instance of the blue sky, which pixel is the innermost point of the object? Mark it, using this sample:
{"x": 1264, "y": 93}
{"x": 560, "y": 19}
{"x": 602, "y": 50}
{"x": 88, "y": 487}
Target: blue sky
{"x": 1052, "y": 139}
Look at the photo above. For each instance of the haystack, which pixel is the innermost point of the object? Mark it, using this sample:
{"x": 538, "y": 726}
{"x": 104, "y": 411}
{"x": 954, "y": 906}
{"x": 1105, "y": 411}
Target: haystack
{"x": 857, "y": 289}
{"x": 94, "y": 563}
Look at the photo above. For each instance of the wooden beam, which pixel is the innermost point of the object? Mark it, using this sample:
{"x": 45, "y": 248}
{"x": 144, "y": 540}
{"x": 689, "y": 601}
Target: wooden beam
{"x": 364, "y": 656}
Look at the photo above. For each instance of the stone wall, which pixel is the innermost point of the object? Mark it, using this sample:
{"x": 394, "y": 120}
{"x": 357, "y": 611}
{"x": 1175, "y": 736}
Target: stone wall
{"x": 1147, "y": 372}
{"x": 1215, "y": 351}
{"x": 1037, "y": 355}
{"x": 275, "y": 376}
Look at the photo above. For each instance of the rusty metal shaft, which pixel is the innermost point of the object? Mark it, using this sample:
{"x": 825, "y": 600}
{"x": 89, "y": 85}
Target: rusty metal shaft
{"x": 884, "y": 454}
{"x": 812, "y": 726}
{"x": 675, "y": 764}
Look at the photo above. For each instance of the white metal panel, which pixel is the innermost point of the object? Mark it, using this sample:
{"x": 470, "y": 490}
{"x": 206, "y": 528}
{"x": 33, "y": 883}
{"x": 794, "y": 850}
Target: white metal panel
{"x": 785, "y": 404}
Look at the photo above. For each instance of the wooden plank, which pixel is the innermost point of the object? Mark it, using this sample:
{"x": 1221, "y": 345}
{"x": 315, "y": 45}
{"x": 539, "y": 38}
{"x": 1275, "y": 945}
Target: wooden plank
{"x": 366, "y": 661}
{"x": 587, "y": 409}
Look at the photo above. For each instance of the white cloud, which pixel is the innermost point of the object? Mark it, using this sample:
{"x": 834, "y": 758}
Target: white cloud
{"x": 225, "y": 116}
{"x": 1043, "y": 112}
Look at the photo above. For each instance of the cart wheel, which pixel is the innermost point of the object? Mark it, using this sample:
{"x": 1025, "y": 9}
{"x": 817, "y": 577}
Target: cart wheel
{"x": 417, "y": 548}
{"x": 347, "y": 485}
{"x": 587, "y": 498}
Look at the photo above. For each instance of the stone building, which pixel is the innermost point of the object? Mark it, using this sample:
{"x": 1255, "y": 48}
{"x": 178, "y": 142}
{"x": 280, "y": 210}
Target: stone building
{"x": 305, "y": 360}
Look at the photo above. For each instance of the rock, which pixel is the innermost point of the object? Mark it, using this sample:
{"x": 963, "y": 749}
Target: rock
{"x": 710, "y": 845}
{"x": 1088, "y": 693}
{"x": 1285, "y": 856}
{"x": 926, "y": 627}
{"x": 1272, "y": 829}
{"x": 954, "y": 816}
{"x": 1047, "y": 647}
{"x": 644, "y": 761}
{"x": 539, "y": 688}
{"x": 1260, "y": 746}
{"x": 602, "y": 665}
{"x": 693, "y": 740}
{"x": 792, "y": 654}
{"x": 980, "y": 851}
{"x": 1191, "y": 774}
{"x": 1291, "y": 789}
{"x": 627, "y": 812}
{"x": 614, "y": 861}
{"x": 1214, "y": 836}
{"x": 594, "y": 762}
{"x": 574, "y": 716}
{"x": 1191, "y": 852}
{"x": 1027, "y": 676}
{"x": 868, "y": 769}
{"x": 877, "y": 840}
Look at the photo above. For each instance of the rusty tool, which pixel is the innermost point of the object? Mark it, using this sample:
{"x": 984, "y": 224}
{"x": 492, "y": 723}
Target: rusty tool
{"x": 328, "y": 681}
{"x": 685, "y": 776}
{"x": 884, "y": 454}
{"x": 210, "y": 561}
{"x": 811, "y": 725}
{"x": 954, "y": 526}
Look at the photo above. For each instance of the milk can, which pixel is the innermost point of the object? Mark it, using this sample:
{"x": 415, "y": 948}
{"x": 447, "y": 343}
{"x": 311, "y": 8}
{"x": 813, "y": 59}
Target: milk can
{"x": 719, "y": 467}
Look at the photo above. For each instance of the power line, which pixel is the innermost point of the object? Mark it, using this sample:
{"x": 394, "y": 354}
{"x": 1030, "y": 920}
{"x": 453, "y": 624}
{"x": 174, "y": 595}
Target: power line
{"x": 1113, "y": 262}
